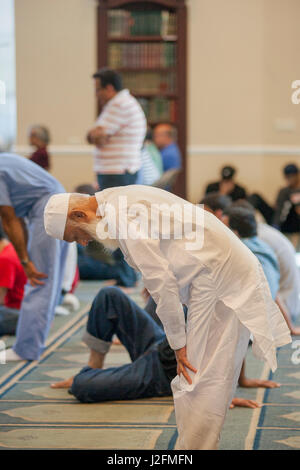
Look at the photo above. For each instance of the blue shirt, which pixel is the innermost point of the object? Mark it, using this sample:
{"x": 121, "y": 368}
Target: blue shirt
{"x": 267, "y": 259}
{"x": 23, "y": 183}
{"x": 171, "y": 157}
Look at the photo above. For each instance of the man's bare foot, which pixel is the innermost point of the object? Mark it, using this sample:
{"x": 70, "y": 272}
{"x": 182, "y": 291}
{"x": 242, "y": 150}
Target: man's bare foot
{"x": 244, "y": 403}
{"x": 63, "y": 384}
{"x": 256, "y": 383}
{"x": 295, "y": 331}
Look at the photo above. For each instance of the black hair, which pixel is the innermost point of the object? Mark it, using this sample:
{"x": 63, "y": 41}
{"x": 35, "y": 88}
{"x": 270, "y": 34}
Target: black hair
{"x": 242, "y": 220}
{"x": 291, "y": 169}
{"x": 109, "y": 77}
{"x": 216, "y": 201}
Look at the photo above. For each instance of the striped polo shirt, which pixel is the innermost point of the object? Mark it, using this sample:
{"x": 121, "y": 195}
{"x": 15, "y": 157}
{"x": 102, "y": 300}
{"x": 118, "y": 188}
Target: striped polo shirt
{"x": 125, "y": 124}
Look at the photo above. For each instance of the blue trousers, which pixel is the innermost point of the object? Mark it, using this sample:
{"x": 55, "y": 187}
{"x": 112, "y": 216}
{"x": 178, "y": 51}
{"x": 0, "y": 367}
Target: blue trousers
{"x": 111, "y": 180}
{"x": 38, "y": 306}
{"x": 113, "y": 312}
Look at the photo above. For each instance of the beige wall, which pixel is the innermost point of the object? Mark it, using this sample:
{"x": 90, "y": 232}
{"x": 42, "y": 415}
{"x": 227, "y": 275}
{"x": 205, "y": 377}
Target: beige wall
{"x": 242, "y": 58}
{"x": 55, "y": 58}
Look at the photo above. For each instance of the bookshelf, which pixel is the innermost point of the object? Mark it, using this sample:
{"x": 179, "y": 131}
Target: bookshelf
{"x": 145, "y": 41}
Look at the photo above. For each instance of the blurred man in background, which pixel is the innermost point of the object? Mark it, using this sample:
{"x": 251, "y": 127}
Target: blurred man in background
{"x": 227, "y": 185}
{"x": 39, "y": 138}
{"x": 164, "y": 137}
{"x": 286, "y": 217}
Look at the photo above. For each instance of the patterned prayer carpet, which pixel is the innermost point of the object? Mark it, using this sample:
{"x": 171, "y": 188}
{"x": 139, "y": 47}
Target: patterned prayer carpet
{"x": 34, "y": 416}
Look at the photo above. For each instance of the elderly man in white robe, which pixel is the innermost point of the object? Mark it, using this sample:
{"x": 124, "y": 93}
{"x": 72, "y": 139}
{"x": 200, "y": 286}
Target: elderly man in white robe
{"x": 186, "y": 256}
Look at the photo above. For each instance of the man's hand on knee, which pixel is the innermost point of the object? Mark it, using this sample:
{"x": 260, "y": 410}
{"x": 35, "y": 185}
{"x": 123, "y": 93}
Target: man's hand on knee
{"x": 183, "y": 364}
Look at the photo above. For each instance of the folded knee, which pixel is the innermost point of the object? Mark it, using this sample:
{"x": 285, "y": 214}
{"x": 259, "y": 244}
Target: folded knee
{"x": 107, "y": 294}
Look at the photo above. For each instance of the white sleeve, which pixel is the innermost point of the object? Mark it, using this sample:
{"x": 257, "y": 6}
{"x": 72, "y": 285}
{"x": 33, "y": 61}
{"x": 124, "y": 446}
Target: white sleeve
{"x": 160, "y": 281}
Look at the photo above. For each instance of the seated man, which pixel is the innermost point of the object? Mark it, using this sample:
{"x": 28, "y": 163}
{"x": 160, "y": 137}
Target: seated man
{"x": 93, "y": 269}
{"x": 286, "y": 217}
{"x": 12, "y": 282}
{"x": 153, "y": 363}
{"x": 39, "y": 138}
{"x": 164, "y": 139}
{"x": 227, "y": 186}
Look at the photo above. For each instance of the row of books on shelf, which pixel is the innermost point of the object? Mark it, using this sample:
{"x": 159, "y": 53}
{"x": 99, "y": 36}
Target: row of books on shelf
{"x": 143, "y": 55}
{"x": 159, "y": 109}
{"x": 150, "y": 82}
{"x": 141, "y": 23}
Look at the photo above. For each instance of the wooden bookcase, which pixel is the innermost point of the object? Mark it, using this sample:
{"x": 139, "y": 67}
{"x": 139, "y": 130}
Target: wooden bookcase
{"x": 145, "y": 40}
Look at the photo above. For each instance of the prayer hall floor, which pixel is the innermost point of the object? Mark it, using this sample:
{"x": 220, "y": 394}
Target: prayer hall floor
{"x": 34, "y": 416}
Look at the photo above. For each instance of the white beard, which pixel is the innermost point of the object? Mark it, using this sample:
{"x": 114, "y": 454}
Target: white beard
{"x": 109, "y": 244}
{"x": 91, "y": 228}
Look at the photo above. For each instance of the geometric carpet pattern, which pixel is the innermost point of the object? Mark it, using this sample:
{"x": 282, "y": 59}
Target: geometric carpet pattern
{"x": 34, "y": 416}
{"x": 278, "y": 425}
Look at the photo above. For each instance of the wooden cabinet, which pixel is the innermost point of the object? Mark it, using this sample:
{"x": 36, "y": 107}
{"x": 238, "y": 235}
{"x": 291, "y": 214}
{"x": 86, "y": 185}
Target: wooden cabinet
{"x": 145, "y": 41}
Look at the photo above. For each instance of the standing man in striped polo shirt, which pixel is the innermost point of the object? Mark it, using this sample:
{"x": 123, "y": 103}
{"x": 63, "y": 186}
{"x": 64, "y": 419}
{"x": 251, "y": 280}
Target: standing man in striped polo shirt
{"x": 119, "y": 132}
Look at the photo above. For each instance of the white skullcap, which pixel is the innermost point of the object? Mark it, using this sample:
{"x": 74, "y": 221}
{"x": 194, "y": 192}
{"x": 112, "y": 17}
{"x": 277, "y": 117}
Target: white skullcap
{"x": 55, "y": 215}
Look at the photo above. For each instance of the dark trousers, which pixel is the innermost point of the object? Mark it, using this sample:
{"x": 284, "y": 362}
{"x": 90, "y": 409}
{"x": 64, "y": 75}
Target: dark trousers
{"x": 94, "y": 270}
{"x": 8, "y": 320}
{"x": 111, "y": 180}
{"x": 113, "y": 312}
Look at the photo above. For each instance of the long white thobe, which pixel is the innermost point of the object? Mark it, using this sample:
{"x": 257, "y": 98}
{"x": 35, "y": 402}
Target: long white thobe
{"x": 226, "y": 292}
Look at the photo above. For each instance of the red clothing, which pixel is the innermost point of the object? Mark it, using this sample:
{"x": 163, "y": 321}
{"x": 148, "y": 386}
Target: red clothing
{"x": 41, "y": 157}
{"x": 75, "y": 281}
{"x": 12, "y": 277}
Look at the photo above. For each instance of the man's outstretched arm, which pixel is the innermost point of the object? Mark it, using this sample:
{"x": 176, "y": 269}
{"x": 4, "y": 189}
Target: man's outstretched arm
{"x": 15, "y": 230}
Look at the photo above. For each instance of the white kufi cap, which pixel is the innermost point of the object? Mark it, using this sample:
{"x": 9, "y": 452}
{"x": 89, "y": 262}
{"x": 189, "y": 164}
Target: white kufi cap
{"x": 55, "y": 215}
